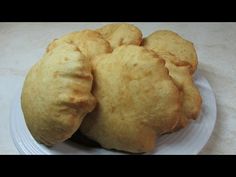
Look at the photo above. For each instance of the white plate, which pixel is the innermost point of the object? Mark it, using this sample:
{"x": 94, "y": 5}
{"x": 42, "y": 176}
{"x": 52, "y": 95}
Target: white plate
{"x": 189, "y": 140}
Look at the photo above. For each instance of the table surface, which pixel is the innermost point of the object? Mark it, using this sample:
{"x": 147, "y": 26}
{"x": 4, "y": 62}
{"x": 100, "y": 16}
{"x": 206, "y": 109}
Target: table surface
{"x": 22, "y": 44}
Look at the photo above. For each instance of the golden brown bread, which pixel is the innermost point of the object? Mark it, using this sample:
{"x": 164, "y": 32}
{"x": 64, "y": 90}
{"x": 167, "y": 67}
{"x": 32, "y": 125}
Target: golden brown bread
{"x": 120, "y": 34}
{"x": 56, "y": 94}
{"x": 89, "y": 42}
{"x": 169, "y": 41}
{"x": 137, "y": 100}
{"x": 191, "y": 98}
{"x": 181, "y": 60}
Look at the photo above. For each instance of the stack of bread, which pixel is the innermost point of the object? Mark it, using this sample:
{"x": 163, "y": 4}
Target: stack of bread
{"x": 119, "y": 89}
